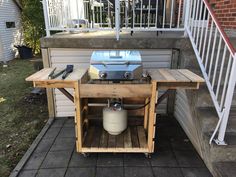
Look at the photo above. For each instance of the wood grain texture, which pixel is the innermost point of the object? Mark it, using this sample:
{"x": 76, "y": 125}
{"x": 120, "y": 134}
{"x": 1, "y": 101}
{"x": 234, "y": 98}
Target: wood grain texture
{"x": 115, "y": 90}
{"x": 152, "y": 116}
{"x": 43, "y": 74}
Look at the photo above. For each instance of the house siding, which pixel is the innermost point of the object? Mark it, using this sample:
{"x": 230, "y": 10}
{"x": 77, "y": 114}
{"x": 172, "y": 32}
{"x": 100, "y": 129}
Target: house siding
{"x": 9, "y": 12}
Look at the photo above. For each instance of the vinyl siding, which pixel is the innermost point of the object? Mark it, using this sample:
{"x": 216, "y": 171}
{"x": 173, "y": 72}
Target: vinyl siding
{"x": 9, "y": 12}
{"x": 81, "y": 57}
{"x": 184, "y": 116}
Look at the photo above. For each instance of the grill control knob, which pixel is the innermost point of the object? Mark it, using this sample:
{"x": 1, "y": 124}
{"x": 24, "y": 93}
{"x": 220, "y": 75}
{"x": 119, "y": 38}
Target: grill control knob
{"x": 103, "y": 75}
{"x": 127, "y": 75}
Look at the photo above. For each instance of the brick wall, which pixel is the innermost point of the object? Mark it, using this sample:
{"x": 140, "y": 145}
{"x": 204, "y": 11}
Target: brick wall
{"x": 226, "y": 12}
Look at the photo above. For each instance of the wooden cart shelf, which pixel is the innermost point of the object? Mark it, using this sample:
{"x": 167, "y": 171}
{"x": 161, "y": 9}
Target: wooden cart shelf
{"x": 135, "y": 138}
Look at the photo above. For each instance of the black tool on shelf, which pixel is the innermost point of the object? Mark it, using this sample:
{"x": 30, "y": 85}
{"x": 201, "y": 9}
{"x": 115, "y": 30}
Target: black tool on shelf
{"x": 68, "y": 70}
{"x": 64, "y": 72}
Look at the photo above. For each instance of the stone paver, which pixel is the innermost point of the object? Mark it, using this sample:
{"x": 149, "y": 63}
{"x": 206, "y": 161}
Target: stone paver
{"x": 35, "y": 161}
{"x": 56, "y": 172}
{"x": 52, "y": 132}
{"x": 167, "y": 172}
{"x": 44, "y": 145}
{"x": 63, "y": 144}
{"x": 58, "y": 123}
{"x": 27, "y": 173}
{"x": 164, "y": 159}
{"x": 57, "y": 159}
{"x": 108, "y": 159}
{"x": 56, "y": 156}
{"x": 136, "y": 160}
{"x": 110, "y": 172}
{"x": 188, "y": 159}
{"x": 69, "y": 123}
{"x": 138, "y": 172}
{"x": 78, "y": 160}
{"x": 67, "y": 132}
{"x": 196, "y": 172}
{"x": 80, "y": 172}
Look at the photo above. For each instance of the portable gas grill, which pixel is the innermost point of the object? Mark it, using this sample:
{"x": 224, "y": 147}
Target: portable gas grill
{"x": 116, "y": 65}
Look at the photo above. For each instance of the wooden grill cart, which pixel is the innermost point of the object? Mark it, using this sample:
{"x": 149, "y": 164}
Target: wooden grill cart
{"x": 136, "y": 138}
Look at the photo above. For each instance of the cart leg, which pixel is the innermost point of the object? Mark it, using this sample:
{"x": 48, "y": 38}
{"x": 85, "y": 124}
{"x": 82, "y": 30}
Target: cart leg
{"x": 152, "y": 117}
{"x": 148, "y": 155}
{"x": 85, "y": 154}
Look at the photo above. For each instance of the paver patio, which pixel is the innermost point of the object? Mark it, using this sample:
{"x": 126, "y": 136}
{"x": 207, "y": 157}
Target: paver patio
{"x": 55, "y": 156}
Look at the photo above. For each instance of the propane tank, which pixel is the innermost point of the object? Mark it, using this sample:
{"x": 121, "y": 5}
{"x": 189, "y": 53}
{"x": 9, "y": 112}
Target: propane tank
{"x": 114, "y": 118}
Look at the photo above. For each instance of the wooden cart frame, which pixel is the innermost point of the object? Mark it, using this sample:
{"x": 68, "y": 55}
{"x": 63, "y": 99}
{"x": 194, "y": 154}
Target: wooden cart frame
{"x": 88, "y": 140}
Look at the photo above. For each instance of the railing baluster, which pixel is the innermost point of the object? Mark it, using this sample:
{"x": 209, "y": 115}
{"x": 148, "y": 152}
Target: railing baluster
{"x": 149, "y": 8}
{"x": 179, "y": 12}
{"x": 126, "y": 14}
{"x": 212, "y": 54}
{"x": 221, "y": 72}
{"x": 225, "y": 82}
{"x": 164, "y": 12}
{"x": 171, "y": 13}
{"x": 193, "y": 16}
{"x": 202, "y": 30}
{"x": 209, "y": 44}
{"x": 141, "y": 14}
{"x": 196, "y": 20}
{"x": 109, "y": 14}
{"x": 216, "y": 63}
{"x": 133, "y": 14}
{"x": 190, "y": 13}
{"x": 100, "y": 13}
{"x": 199, "y": 23}
{"x": 157, "y": 4}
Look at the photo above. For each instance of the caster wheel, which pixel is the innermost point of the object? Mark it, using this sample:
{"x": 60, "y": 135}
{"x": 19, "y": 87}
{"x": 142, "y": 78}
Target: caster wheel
{"x": 147, "y": 155}
{"x": 85, "y": 155}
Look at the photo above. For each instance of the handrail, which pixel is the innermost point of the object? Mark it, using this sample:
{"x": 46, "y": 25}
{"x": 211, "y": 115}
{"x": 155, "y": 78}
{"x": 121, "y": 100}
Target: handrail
{"x": 217, "y": 23}
{"x": 218, "y": 68}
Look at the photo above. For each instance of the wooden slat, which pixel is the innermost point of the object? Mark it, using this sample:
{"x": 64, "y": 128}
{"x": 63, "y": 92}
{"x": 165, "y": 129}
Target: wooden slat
{"x": 120, "y": 140}
{"x": 115, "y": 150}
{"x": 97, "y": 136}
{"x": 152, "y": 116}
{"x": 78, "y": 117}
{"x": 179, "y": 76}
{"x": 115, "y": 90}
{"x": 142, "y": 137}
{"x": 103, "y": 139}
{"x": 156, "y": 75}
{"x": 134, "y": 136}
{"x": 89, "y": 137}
{"x": 192, "y": 76}
{"x": 42, "y": 75}
{"x": 166, "y": 73}
{"x": 111, "y": 141}
{"x": 127, "y": 138}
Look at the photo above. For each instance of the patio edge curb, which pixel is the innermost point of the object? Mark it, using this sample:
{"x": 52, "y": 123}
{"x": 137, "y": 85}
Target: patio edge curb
{"x": 31, "y": 149}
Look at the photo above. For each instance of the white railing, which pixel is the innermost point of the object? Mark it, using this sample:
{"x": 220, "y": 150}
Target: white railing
{"x": 216, "y": 57}
{"x": 215, "y": 54}
{"x": 117, "y": 15}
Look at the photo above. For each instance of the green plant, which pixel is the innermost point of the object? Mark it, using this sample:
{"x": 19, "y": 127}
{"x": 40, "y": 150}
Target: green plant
{"x": 33, "y": 23}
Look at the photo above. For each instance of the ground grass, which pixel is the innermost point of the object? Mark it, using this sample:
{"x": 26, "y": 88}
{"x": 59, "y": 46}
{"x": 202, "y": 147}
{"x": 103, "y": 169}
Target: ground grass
{"x": 22, "y": 114}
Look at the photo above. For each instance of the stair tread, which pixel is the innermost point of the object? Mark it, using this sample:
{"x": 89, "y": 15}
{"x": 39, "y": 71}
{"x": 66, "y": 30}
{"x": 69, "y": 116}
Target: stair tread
{"x": 225, "y": 169}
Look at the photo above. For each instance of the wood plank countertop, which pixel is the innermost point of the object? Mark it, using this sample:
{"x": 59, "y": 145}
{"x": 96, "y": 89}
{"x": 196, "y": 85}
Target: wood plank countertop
{"x": 166, "y": 78}
{"x": 43, "y": 74}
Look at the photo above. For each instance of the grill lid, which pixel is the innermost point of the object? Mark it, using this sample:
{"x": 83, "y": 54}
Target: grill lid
{"x": 122, "y": 57}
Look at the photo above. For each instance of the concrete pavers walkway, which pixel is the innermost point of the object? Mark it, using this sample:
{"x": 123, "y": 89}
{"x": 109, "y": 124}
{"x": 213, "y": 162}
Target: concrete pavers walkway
{"x": 55, "y": 156}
